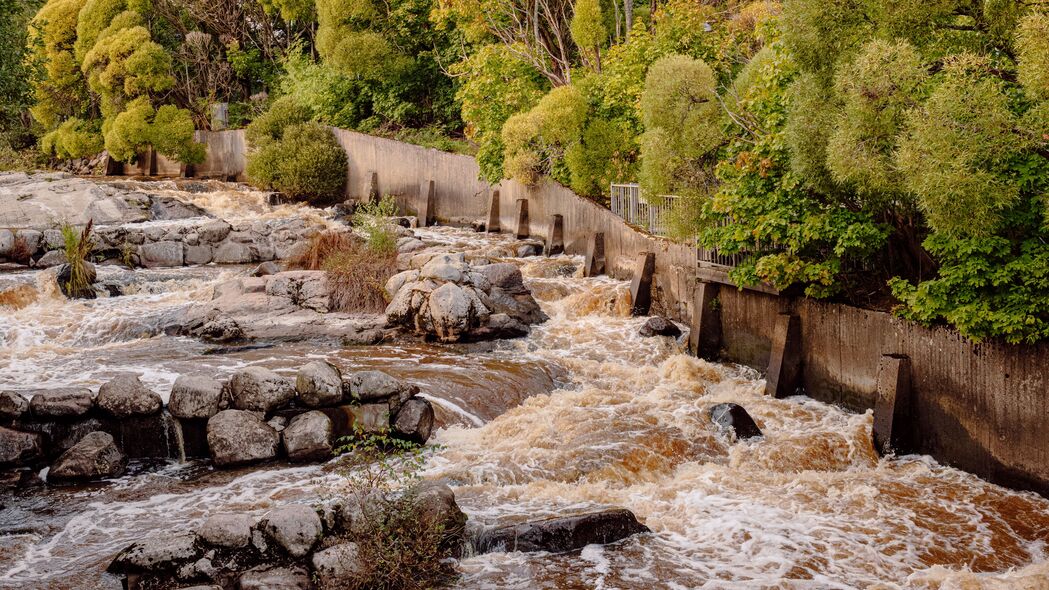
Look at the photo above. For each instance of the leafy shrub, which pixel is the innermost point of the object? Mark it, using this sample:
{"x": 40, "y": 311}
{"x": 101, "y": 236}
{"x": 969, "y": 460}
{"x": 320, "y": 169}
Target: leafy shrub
{"x": 269, "y": 126}
{"x": 372, "y": 219}
{"x": 306, "y": 163}
{"x": 74, "y": 138}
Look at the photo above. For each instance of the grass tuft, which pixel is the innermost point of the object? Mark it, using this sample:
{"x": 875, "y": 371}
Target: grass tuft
{"x": 78, "y": 247}
{"x": 357, "y": 274}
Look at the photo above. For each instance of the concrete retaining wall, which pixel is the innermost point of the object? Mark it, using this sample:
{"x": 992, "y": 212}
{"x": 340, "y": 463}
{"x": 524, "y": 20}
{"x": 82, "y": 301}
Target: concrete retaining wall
{"x": 983, "y": 408}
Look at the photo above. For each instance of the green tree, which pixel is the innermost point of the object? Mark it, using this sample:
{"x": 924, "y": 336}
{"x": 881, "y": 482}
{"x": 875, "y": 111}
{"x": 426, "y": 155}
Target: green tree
{"x": 588, "y": 30}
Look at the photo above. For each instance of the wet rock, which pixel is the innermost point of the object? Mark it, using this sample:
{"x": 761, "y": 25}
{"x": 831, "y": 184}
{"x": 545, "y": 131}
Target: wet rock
{"x": 19, "y": 448}
{"x": 558, "y": 535}
{"x": 308, "y": 437}
{"x": 369, "y": 386}
{"x": 221, "y": 329}
{"x": 161, "y": 254}
{"x": 7, "y": 242}
{"x": 529, "y": 248}
{"x": 213, "y": 232}
{"x": 414, "y": 421}
{"x": 52, "y": 258}
{"x": 338, "y": 563}
{"x": 319, "y": 383}
{"x": 371, "y": 418}
{"x": 735, "y": 419}
{"x": 64, "y": 276}
{"x": 454, "y": 311}
{"x": 125, "y": 396}
{"x": 195, "y": 397}
{"x": 294, "y": 527}
{"x": 167, "y": 208}
{"x": 231, "y": 531}
{"x": 230, "y": 252}
{"x": 198, "y": 254}
{"x": 95, "y": 456}
{"x": 237, "y": 437}
{"x": 156, "y": 554}
{"x": 435, "y": 502}
{"x": 13, "y": 405}
{"x": 65, "y": 402}
{"x": 266, "y": 268}
{"x": 266, "y": 577}
{"x": 658, "y": 326}
{"x": 259, "y": 389}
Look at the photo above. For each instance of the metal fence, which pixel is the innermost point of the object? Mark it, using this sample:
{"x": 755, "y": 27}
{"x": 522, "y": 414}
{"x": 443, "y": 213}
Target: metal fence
{"x": 627, "y": 203}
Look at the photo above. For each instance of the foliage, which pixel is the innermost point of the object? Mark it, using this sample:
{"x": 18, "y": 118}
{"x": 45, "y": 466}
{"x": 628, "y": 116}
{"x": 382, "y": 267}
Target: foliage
{"x": 372, "y": 220}
{"x": 74, "y": 138}
{"x": 588, "y": 30}
{"x": 77, "y": 248}
{"x": 357, "y": 272}
{"x": 282, "y": 114}
{"x": 305, "y": 163}
{"x": 15, "y": 91}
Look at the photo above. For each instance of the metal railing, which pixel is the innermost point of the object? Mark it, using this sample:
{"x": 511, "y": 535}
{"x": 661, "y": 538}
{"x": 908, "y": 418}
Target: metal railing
{"x": 627, "y": 203}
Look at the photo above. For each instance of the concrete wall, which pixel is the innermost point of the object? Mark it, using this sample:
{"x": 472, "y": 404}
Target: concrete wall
{"x": 983, "y": 408}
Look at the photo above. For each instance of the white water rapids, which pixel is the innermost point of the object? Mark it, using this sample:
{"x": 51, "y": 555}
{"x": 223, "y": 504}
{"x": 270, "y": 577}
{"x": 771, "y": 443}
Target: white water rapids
{"x": 583, "y": 413}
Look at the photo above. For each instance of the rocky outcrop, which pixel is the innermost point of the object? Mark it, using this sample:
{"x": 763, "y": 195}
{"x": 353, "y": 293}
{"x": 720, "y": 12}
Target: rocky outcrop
{"x": 557, "y": 535}
{"x": 13, "y": 405}
{"x": 237, "y": 437}
{"x": 95, "y": 456}
{"x": 450, "y": 300}
{"x": 734, "y": 419}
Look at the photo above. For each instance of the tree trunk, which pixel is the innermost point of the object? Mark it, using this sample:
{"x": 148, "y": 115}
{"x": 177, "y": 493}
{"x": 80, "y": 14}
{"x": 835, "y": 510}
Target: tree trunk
{"x": 628, "y": 10}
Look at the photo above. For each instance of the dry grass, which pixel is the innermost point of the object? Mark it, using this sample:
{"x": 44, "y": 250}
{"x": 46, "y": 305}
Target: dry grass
{"x": 357, "y": 274}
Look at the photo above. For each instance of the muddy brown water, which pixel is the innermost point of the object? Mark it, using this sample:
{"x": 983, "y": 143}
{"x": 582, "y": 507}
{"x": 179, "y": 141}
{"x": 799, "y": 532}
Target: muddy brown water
{"x": 581, "y": 414}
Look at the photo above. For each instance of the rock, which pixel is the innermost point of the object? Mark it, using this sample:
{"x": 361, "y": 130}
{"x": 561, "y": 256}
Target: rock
{"x": 279, "y": 423}
{"x": 336, "y": 564}
{"x": 295, "y": 527}
{"x": 221, "y": 329}
{"x": 371, "y": 418}
{"x": 7, "y": 242}
{"x": 308, "y": 437}
{"x": 95, "y": 456}
{"x": 319, "y": 383}
{"x": 558, "y": 535}
{"x": 659, "y": 327}
{"x": 19, "y": 448}
{"x": 13, "y": 405}
{"x": 503, "y": 275}
{"x": 156, "y": 554}
{"x": 65, "y": 274}
{"x": 125, "y": 396}
{"x": 213, "y": 232}
{"x": 414, "y": 421}
{"x": 195, "y": 397}
{"x": 369, "y": 386}
{"x": 260, "y": 390}
{"x": 734, "y": 419}
{"x": 65, "y": 402}
{"x": 52, "y": 258}
{"x": 394, "y": 284}
{"x": 231, "y": 531}
{"x": 266, "y": 577}
{"x": 435, "y": 502}
{"x": 198, "y": 254}
{"x": 168, "y": 208}
{"x": 454, "y": 311}
{"x": 237, "y": 437}
{"x": 526, "y": 249}
{"x": 230, "y": 252}
{"x": 266, "y": 268}
{"x": 161, "y": 254}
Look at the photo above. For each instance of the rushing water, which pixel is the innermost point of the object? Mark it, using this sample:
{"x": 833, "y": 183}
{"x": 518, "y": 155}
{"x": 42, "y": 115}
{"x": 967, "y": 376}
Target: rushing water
{"x": 582, "y": 413}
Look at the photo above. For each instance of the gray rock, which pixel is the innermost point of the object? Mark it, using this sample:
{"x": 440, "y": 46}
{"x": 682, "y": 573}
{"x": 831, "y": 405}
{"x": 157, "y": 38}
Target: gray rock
{"x": 53, "y": 239}
{"x": 733, "y": 419}
{"x": 198, "y": 254}
{"x": 368, "y": 386}
{"x": 435, "y": 502}
{"x": 336, "y": 564}
{"x": 19, "y": 448}
{"x": 195, "y": 397}
{"x": 157, "y": 554}
{"x": 279, "y": 423}
{"x": 266, "y": 577}
{"x": 308, "y": 437}
{"x": 294, "y": 527}
{"x": 226, "y": 530}
{"x": 414, "y": 421}
{"x": 319, "y": 383}
{"x": 125, "y": 396}
{"x": 52, "y": 258}
{"x": 266, "y": 268}
{"x": 394, "y": 284}
{"x": 162, "y": 254}
{"x": 64, "y": 276}
{"x": 167, "y": 208}
{"x": 32, "y": 238}
{"x": 558, "y": 535}
{"x": 229, "y": 252}
{"x": 454, "y": 311}
{"x": 371, "y": 418}
{"x": 236, "y": 437}
{"x": 64, "y": 402}
{"x": 260, "y": 390}
{"x": 7, "y": 242}
{"x": 213, "y": 232}
{"x": 504, "y": 275}
{"x": 658, "y": 326}
{"x": 13, "y": 405}
{"x": 94, "y": 456}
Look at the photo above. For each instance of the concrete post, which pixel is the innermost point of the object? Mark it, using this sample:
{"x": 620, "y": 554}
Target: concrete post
{"x": 891, "y": 409}
{"x": 373, "y": 195}
{"x": 595, "y": 255}
{"x": 704, "y": 339}
{"x": 784, "y": 374}
{"x": 113, "y": 167}
{"x": 186, "y": 170}
{"x": 493, "y": 214}
{"x": 555, "y": 243}
{"x": 147, "y": 162}
{"x": 522, "y": 230}
{"x": 219, "y": 116}
{"x": 641, "y": 285}
{"x": 429, "y": 213}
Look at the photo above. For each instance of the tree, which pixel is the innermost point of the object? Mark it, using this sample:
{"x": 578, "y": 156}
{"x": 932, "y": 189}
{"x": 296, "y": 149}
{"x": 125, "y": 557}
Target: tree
{"x": 588, "y": 30}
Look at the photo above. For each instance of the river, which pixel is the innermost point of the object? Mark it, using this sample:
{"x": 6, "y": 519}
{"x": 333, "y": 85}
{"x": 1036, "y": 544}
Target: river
{"x": 582, "y": 413}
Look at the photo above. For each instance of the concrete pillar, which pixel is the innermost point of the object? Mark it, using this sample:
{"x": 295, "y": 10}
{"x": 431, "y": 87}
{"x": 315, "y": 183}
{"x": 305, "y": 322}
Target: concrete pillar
{"x": 372, "y": 195}
{"x": 113, "y": 167}
{"x": 641, "y": 285}
{"x": 595, "y": 255}
{"x": 186, "y": 170}
{"x": 522, "y": 230}
{"x": 704, "y": 339}
{"x": 219, "y": 116}
{"x": 784, "y": 374}
{"x": 147, "y": 162}
{"x": 493, "y": 214}
{"x": 555, "y": 242}
{"x": 891, "y": 410}
{"x": 429, "y": 213}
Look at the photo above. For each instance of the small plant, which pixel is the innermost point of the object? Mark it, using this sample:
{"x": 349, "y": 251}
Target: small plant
{"x": 357, "y": 273}
{"x": 78, "y": 246}
{"x": 373, "y": 220}
{"x": 127, "y": 254}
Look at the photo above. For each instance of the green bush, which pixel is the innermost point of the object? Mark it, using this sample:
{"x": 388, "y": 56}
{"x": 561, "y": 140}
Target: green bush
{"x": 306, "y": 164}
{"x": 270, "y": 125}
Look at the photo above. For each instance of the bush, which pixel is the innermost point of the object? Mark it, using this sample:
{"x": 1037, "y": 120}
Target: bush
{"x": 357, "y": 274}
{"x": 305, "y": 163}
{"x": 270, "y": 125}
{"x": 77, "y": 248}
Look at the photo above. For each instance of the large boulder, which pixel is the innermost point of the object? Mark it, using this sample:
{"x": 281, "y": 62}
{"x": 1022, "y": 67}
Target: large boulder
{"x": 734, "y": 419}
{"x": 66, "y": 402}
{"x": 414, "y": 421}
{"x": 162, "y": 553}
{"x": 435, "y": 503}
{"x": 125, "y": 396}
{"x": 260, "y": 390}
{"x": 19, "y": 448}
{"x": 13, "y": 405}
{"x": 557, "y": 535}
{"x": 296, "y": 528}
{"x": 95, "y": 456}
{"x": 230, "y": 531}
{"x": 658, "y": 326}
{"x": 195, "y": 397}
{"x": 162, "y": 254}
{"x": 237, "y": 437}
{"x": 319, "y": 383}
{"x": 454, "y": 311}
{"x": 267, "y": 577}
{"x": 336, "y": 564}
{"x": 372, "y": 386}
{"x": 308, "y": 437}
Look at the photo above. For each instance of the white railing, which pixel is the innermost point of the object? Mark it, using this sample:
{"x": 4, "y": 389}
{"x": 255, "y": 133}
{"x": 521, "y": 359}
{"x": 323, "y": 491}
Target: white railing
{"x": 627, "y": 203}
